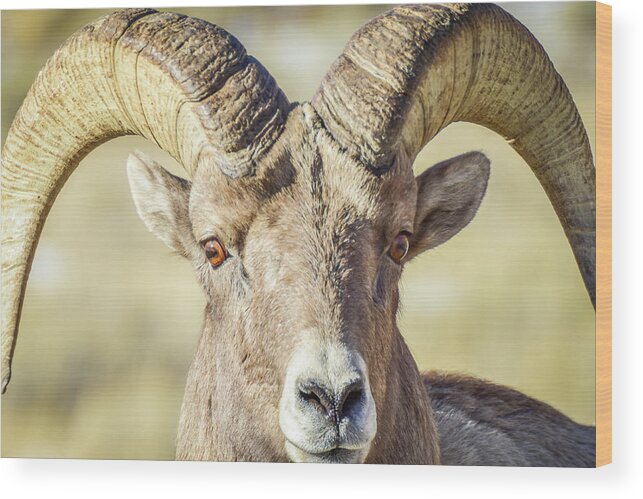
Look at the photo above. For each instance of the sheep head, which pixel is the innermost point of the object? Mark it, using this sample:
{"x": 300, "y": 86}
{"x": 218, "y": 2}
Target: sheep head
{"x": 301, "y": 271}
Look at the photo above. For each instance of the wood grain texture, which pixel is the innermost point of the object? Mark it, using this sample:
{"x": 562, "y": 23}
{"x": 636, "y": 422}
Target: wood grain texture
{"x": 604, "y": 234}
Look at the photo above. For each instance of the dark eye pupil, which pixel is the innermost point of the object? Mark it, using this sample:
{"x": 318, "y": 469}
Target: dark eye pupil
{"x": 400, "y": 247}
{"x": 215, "y": 252}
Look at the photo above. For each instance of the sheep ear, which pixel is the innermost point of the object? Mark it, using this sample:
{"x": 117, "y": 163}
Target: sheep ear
{"x": 449, "y": 195}
{"x": 161, "y": 200}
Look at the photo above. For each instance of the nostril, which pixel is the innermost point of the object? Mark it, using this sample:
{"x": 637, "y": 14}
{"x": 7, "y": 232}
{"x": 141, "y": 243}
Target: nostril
{"x": 350, "y": 398}
{"x": 315, "y": 396}
{"x": 332, "y": 404}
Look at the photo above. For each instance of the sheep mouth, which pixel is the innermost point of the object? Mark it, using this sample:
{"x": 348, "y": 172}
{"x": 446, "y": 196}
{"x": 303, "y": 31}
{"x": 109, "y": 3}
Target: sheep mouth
{"x": 336, "y": 455}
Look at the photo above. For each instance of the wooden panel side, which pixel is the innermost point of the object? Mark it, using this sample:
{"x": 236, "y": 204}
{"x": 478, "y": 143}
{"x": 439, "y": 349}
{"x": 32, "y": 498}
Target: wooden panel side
{"x": 603, "y": 234}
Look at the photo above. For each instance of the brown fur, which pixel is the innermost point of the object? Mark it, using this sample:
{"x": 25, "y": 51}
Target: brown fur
{"x": 482, "y": 423}
{"x": 316, "y": 238}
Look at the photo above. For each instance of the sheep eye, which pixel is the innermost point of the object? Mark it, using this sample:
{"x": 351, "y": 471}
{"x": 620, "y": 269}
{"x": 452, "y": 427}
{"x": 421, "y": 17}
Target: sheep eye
{"x": 399, "y": 247}
{"x": 215, "y": 252}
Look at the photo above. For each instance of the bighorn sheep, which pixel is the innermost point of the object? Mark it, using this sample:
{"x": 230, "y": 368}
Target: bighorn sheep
{"x": 299, "y": 217}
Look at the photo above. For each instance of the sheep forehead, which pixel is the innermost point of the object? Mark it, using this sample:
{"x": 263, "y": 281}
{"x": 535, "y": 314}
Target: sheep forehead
{"x": 333, "y": 177}
{"x": 314, "y": 177}
{"x": 334, "y": 210}
{"x": 333, "y": 192}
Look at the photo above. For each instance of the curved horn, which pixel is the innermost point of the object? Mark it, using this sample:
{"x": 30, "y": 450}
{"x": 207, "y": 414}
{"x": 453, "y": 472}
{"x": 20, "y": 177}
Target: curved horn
{"x": 182, "y": 83}
{"x": 409, "y": 73}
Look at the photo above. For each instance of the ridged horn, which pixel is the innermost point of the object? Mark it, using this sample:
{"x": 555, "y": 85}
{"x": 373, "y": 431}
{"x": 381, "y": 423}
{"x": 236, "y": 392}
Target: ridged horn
{"x": 412, "y": 71}
{"x": 183, "y": 83}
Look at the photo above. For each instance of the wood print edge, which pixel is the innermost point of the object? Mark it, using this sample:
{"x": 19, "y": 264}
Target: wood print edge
{"x": 603, "y": 234}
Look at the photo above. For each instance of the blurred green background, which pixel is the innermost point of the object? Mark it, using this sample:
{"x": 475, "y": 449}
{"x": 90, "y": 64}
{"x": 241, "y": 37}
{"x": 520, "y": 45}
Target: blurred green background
{"x": 111, "y": 318}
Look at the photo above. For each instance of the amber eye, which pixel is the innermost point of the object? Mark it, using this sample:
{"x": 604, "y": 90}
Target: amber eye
{"x": 399, "y": 247}
{"x": 215, "y": 252}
